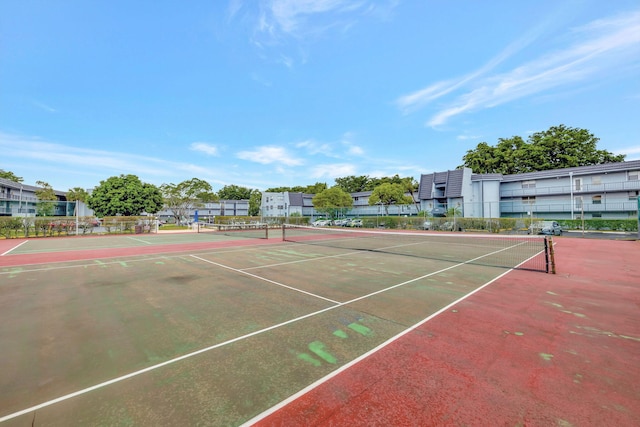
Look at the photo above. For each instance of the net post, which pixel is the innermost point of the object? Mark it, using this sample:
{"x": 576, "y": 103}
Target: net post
{"x": 552, "y": 256}
{"x": 266, "y": 230}
{"x": 284, "y": 237}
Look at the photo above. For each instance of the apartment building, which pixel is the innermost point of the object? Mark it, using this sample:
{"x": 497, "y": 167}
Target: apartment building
{"x": 18, "y": 199}
{"x": 600, "y": 191}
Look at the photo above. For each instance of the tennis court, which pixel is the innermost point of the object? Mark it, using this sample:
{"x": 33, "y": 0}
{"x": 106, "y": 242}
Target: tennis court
{"x": 215, "y": 328}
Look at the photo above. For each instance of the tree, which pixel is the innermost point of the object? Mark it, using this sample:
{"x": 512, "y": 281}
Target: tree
{"x": 124, "y": 195}
{"x": 332, "y": 200}
{"x": 182, "y": 198}
{"x": 388, "y": 194}
{"x": 316, "y": 188}
{"x": 77, "y": 194}
{"x": 47, "y": 199}
{"x": 354, "y": 184}
{"x": 255, "y": 201}
{"x": 556, "y": 148}
{"x": 309, "y": 189}
{"x": 10, "y": 176}
{"x": 234, "y": 192}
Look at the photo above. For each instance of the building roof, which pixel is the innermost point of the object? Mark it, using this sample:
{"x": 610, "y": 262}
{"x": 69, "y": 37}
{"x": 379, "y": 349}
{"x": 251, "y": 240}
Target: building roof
{"x": 576, "y": 171}
{"x": 25, "y": 187}
{"x": 451, "y": 180}
{"x": 295, "y": 199}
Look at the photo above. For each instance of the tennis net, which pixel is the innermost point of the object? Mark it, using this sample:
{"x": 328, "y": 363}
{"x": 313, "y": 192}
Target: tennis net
{"x": 251, "y": 231}
{"x": 512, "y": 251}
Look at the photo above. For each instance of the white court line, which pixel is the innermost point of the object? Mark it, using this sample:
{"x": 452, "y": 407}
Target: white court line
{"x": 138, "y": 240}
{"x": 222, "y": 344}
{"x": 265, "y": 279}
{"x": 14, "y": 248}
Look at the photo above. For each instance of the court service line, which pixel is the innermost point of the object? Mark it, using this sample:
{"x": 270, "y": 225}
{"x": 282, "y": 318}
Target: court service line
{"x": 264, "y": 279}
{"x": 222, "y": 344}
{"x": 14, "y": 248}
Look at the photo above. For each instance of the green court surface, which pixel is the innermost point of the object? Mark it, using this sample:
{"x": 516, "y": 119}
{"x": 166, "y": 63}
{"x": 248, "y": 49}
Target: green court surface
{"x": 210, "y": 337}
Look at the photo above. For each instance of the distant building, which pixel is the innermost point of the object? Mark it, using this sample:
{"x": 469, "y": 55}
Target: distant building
{"x": 286, "y": 204}
{"x": 18, "y": 199}
{"x": 209, "y": 211}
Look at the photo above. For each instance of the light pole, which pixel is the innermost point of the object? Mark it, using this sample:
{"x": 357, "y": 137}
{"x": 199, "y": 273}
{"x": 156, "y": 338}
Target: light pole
{"x": 20, "y": 202}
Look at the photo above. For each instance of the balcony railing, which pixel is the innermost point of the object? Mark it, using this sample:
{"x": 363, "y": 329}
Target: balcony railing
{"x": 566, "y": 189}
{"x": 609, "y": 207}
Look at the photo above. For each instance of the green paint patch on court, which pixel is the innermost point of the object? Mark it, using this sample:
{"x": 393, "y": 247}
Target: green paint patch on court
{"x": 309, "y": 359}
{"x": 318, "y": 349}
{"x": 361, "y": 329}
{"x": 546, "y": 356}
{"x": 340, "y": 333}
{"x": 13, "y": 272}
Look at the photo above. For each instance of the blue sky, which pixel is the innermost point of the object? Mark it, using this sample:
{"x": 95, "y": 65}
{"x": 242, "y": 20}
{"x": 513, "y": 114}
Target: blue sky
{"x": 269, "y": 93}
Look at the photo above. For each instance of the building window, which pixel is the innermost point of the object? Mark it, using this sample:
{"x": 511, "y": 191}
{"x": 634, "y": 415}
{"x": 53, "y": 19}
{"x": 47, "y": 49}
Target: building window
{"x": 531, "y": 200}
{"x": 596, "y": 180}
{"x": 528, "y": 184}
{"x": 578, "y": 202}
{"x": 596, "y": 215}
{"x": 633, "y": 195}
{"x": 596, "y": 200}
{"x": 634, "y": 175}
{"x": 577, "y": 184}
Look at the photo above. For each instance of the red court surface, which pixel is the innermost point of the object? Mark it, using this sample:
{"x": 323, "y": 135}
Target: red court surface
{"x": 530, "y": 349}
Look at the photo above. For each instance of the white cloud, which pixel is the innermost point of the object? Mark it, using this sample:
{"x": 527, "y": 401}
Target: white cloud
{"x": 332, "y": 171}
{"x": 315, "y": 147}
{"x": 289, "y": 16}
{"x": 90, "y": 162}
{"x": 355, "y": 150}
{"x": 269, "y": 154}
{"x": 203, "y": 147}
{"x": 44, "y": 106}
{"x": 632, "y": 153}
{"x": 280, "y": 22}
{"x": 599, "y": 50}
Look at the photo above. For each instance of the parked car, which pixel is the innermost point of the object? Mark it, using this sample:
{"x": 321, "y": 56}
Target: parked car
{"x": 356, "y": 223}
{"x": 321, "y": 223}
{"x": 546, "y": 227}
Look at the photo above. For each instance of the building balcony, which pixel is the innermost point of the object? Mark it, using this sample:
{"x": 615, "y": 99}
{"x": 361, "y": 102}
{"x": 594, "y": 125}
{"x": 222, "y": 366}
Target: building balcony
{"x": 605, "y": 207}
{"x": 566, "y": 189}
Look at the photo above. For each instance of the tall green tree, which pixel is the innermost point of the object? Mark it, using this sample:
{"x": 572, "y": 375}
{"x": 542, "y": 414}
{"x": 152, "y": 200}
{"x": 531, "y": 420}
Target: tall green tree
{"x": 332, "y": 201}
{"x": 124, "y": 195}
{"x": 389, "y": 194}
{"x": 185, "y": 196}
{"x": 46, "y": 199}
{"x": 10, "y": 176}
{"x": 354, "y": 184}
{"x": 234, "y": 192}
{"x": 255, "y": 201}
{"x": 556, "y": 148}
